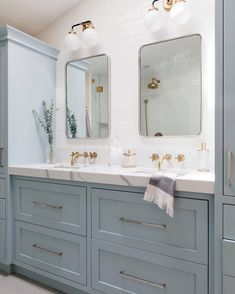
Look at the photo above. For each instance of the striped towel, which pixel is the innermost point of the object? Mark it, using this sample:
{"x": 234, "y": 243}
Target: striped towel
{"x": 160, "y": 190}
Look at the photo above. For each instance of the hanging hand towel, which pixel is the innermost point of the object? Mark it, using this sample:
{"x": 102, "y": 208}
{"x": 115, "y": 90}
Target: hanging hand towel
{"x": 160, "y": 190}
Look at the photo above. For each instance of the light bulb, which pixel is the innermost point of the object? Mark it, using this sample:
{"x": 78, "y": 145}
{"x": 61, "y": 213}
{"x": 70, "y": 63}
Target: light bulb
{"x": 180, "y": 12}
{"x": 153, "y": 20}
{"x": 72, "y": 41}
{"x": 90, "y": 36}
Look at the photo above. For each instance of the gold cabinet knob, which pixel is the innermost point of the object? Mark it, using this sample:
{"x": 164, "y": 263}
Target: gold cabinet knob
{"x": 180, "y": 157}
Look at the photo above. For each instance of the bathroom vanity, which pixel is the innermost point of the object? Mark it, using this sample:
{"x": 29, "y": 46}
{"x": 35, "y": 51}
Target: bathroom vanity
{"x": 72, "y": 230}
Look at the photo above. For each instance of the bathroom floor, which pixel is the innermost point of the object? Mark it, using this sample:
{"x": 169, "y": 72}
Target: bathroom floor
{"x": 16, "y": 285}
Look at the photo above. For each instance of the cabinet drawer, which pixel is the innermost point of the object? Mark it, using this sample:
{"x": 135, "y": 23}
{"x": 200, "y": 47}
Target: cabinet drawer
{"x": 229, "y": 257}
{"x": 228, "y": 285}
{"x": 56, "y": 206}
{"x": 2, "y": 239}
{"x": 2, "y": 208}
{"x": 117, "y": 269}
{"x": 229, "y": 220}
{"x": 59, "y": 253}
{"x": 124, "y": 218}
{"x": 2, "y": 188}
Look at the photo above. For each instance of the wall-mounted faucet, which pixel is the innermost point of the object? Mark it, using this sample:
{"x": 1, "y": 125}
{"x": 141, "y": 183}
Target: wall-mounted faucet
{"x": 75, "y": 155}
{"x": 160, "y": 160}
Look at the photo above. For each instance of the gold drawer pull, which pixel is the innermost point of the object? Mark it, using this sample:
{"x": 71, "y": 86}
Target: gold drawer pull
{"x": 127, "y": 276}
{"x": 157, "y": 226}
{"x": 47, "y": 205}
{"x": 47, "y": 250}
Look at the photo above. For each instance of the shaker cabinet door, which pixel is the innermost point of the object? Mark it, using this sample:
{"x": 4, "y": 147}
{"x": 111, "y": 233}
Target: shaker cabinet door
{"x": 229, "y": 98}
{"x": 3, "y": 103}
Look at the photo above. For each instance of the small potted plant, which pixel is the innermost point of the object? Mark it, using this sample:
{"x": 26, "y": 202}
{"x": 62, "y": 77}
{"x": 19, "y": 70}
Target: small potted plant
{"x": 72, "y": 123}
{"x": 47, "y": 123}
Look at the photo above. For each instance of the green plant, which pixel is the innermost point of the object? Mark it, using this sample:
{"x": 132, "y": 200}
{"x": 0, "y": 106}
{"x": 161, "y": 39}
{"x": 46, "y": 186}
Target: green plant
{"x": 47, "y": 120}
{"x": 72, "y": 122}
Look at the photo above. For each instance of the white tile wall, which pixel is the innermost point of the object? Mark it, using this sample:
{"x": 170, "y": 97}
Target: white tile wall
{"x": 122, "y": 33}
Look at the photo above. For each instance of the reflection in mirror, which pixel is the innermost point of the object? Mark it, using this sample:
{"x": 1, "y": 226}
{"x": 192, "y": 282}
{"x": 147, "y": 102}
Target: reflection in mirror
{"x": 170, "y": 88}
{"x": 88, "y": 98}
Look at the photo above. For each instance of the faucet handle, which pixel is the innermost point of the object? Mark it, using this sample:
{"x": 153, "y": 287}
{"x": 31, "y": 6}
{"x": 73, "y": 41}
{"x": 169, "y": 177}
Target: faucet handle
{"x": 180, "y": 157}
{"x": 168, "y": 156}
{"x": 72, "y": 154}
{"x": 85, "y": 154}
{"x": 154, "y": 157}
{"x": 93, "y": 155}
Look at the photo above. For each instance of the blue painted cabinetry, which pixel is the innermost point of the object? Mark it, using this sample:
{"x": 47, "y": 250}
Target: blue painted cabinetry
{"x": 27, "y": 76}
{"x": 100, "y": 238}
{"x": 225, "y": 148}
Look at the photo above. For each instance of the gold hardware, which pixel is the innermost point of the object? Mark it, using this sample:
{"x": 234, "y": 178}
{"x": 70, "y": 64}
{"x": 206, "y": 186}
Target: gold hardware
{"x": 180, "y": 157}
{"x": 154, "y": 84}
{"x": 76, "y": 155}
{"x": 160, "y": 160}
{"x": 168, "y": 4}
{"x": 155, "y": 157}
{"x": 93, "y": 155}
{"x": 87, "y": 25}
{"x": 203, "y": 147}
{"x": 129, "y": 153}
{"x": 100, "y": 89}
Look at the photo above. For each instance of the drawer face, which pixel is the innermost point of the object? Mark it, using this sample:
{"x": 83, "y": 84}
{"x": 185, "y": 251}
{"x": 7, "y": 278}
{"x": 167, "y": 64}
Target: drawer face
{"x": 2, "y": 188}
{"x": 229, "y": 257}
{"x": 56, "y": 206}
{"x": 229, "y": 220}
{"x": 2, "y": 239}
{"x": 2, "y": 208}
{"x": 118, "y": 269}
{"x": 124, "y": 218}
{"x": 56, "y": 252}
{"x": 228, "y": 285}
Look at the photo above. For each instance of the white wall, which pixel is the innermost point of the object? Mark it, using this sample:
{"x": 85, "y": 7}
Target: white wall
{"x": 122, "y": 33}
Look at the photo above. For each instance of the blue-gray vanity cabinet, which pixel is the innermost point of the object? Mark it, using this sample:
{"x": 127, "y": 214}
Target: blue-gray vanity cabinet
{"x": 129, "y": 245}
{"x": 3, "y": 109}
{"x": 117, "y": 269}
{"x": 125, "y": 218}
{"x": 229, "y": 101}
{"x": 228, "y": 285}
{"x": 57, "y": 252}
{"x": 61, "y": 207}
{"x": 27, "y": 77}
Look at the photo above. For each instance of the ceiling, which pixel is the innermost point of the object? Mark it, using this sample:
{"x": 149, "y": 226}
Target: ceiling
{"x": 31, "y": 16}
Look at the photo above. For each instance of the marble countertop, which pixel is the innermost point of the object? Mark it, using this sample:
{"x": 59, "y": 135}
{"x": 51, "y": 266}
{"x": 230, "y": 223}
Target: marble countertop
{"x": 190, "y": 181}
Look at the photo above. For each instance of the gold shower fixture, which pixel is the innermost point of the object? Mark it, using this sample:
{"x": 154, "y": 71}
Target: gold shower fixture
{"x": 154, "y": 84}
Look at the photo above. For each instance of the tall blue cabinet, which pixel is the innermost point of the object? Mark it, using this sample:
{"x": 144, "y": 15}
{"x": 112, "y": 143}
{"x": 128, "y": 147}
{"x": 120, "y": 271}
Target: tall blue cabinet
{"x": 27, "y": 76}
{"x": 225, "y": 148}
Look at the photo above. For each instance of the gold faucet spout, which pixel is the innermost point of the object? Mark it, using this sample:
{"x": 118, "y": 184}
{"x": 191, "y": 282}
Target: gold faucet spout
{"x": 76, "y": 155}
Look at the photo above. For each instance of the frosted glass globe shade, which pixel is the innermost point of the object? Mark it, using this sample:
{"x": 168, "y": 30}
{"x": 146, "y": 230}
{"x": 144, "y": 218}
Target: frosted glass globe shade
{"x": 180, "y": 13}
{"x": 72, "y": 41}
{"x": 153, "y": 20}
{"x": 90, "y": 36}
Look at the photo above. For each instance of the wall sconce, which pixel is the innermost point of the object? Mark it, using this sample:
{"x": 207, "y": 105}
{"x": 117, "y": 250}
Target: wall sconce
{"x": 89, "y": 35}
{"x": 178, "y": 11}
